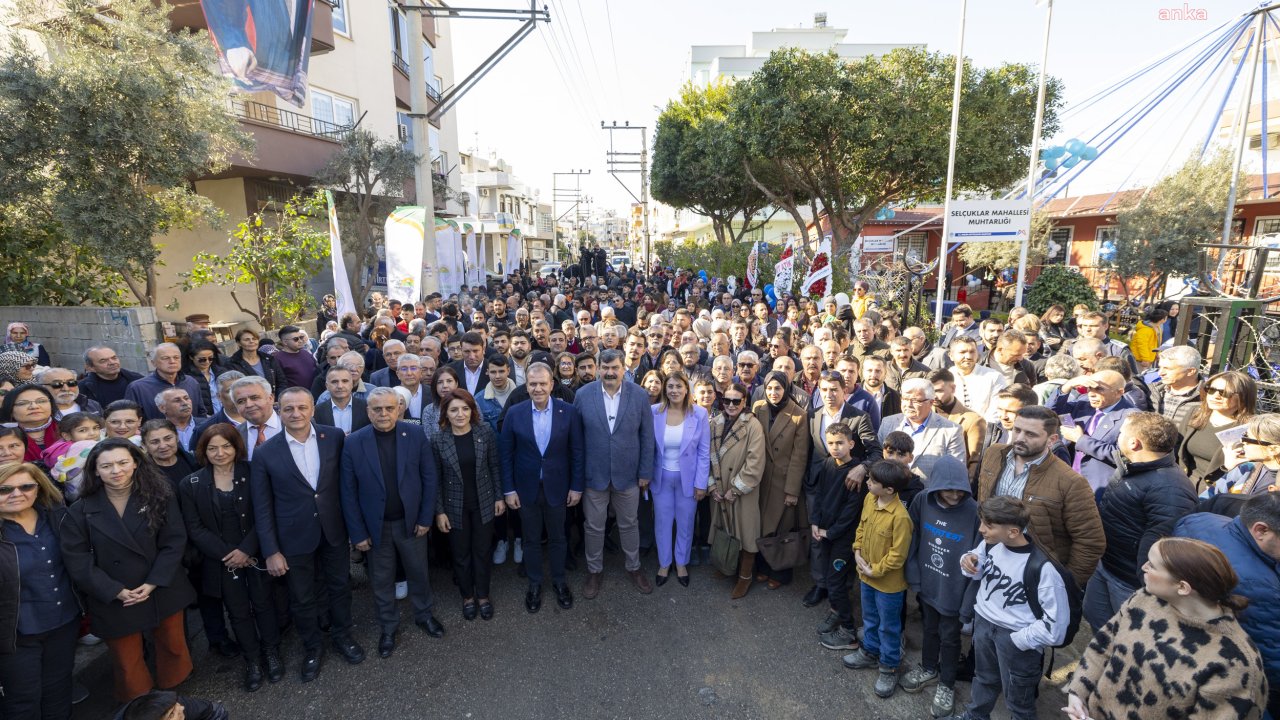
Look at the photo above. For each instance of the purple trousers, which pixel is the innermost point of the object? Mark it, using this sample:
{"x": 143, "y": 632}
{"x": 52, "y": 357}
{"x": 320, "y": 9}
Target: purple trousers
{"x": 672, "y": 507}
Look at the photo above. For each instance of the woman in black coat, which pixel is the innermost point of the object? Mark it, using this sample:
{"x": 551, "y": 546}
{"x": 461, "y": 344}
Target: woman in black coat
{"x": 468, "y": 496}
{"x": 122, "y": 543}
{"x": 219, "y": 517}
{"x": 251, "y": 362}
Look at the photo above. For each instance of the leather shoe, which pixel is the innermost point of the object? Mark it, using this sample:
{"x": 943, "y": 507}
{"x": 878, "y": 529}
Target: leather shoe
{"x": 641, "y": 582}
{"x": 432, "y": 627}
{"x": 814, "y": 596}
{"x": 683, "y": 580}
{"x": 592, "y": 588}
{"x": 486, "y": 610}
{"x": 226, "y": 647}
{"x": 469, "y": 610}
{"x": 659, "y": 579}
{"x": 386, "y": 644}
{"x": 564, "y": 597}
{"x": 252, "y": 676}
{"x": 533, "y": 599}
{"x": 349, "y": 649}
{"x": 275, "y": 666}
{"x": 311, "y": 666}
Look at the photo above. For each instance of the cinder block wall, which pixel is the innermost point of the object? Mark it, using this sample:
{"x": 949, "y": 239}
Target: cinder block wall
{"x": 66, "y": 331}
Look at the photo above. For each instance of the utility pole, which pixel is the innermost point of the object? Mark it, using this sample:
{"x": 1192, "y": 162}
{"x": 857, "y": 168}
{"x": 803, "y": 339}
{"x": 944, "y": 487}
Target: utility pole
{"x": 559, "y": 195}
{"x": 630, "y": 163}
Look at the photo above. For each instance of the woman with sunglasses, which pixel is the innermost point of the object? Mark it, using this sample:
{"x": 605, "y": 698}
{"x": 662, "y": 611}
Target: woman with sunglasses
{"x": 204, "y": 363}
{"x": 737, "y": 466}
{"x": 1253, "y": 465}
{"x": 31, "y": 408}
{"x": 1228, "y": 400}
{"x": 39, "y": 611}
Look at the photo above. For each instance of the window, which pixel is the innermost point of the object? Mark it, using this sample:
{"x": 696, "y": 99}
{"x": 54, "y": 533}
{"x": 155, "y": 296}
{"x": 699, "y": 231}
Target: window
{"x": 1266, "y": 231}
{"x": 340, "y": 17}
{"x": 399, "y": 32}
{"x": 1059, "y": 246}
{"x": 333, "y": 112}
{"x": 914, "y": 245}
{"x": 1104, "y": 245}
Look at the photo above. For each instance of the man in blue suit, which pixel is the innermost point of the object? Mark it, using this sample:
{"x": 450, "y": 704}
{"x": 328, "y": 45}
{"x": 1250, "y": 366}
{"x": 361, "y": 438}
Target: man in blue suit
{"x": 617, "y": 424}
{"x": 1098, "y": 420}
{"x": 298, "y": 510}
{"x": 542, "y": 466}
{"x": 388, "y": 500}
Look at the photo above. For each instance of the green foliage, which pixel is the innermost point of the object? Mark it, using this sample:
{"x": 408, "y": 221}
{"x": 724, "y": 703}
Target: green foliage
{"x": 689, "y": 254}
{"x": 997, "y": 256}
{"x": 47, "y": 270}
{"x": 276, "y": 254}
{"x": 101, "y": 137}
{"x": 1059, "y": 285}
{"x": 367, "y": 175}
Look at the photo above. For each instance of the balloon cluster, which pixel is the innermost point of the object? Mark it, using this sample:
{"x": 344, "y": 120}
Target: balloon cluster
{"x": 885, "y": 213}
{"x": 770, "y": 295}
{"x": 703, "y": 274}
{"x": 1068, "y": 155}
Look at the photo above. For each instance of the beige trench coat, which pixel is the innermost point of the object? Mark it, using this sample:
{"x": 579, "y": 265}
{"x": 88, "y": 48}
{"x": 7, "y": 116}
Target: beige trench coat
{"x": 786, "y": 459}
{"x": 737, "y": 462}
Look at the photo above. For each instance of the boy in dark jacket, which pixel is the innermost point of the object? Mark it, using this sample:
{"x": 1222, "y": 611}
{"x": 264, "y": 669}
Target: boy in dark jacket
{"x": 833, "y": 522}
{"x": 945, "y": 526}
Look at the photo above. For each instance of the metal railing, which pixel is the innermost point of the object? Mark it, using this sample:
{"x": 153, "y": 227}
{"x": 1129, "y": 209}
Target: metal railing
{"x": 399, "y": 62}
{"x": 433, "y": 94}
{"x": 288, "y": 119}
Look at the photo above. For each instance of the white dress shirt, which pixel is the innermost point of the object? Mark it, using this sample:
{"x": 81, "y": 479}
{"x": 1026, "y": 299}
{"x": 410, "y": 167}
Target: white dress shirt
{"x": 306, "y": 455}
{"x": 977, "y": 391}
{"x": 272, "y": 428}
{"x": 612, "y": 404}
{"x": 472, "y": 379}
{"x": 342, "y": 416}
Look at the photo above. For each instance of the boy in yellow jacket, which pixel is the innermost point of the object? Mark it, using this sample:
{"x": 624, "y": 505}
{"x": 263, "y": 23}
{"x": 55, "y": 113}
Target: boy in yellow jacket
{"x": 880, "y": 551}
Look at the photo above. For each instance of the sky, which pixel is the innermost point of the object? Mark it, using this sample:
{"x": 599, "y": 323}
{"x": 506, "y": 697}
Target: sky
{"x": 621, "y": 60}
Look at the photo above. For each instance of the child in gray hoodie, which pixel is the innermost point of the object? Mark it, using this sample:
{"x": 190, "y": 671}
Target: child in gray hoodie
{"x": 945, "y": 522}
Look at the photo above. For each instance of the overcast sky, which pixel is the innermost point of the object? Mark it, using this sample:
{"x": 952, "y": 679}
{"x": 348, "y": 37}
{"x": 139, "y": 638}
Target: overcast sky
{"x": 541, "y": 108}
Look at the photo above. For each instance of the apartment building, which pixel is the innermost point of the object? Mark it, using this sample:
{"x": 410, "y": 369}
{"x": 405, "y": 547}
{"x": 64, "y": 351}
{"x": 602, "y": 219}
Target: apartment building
{"x": 501, "y": 204}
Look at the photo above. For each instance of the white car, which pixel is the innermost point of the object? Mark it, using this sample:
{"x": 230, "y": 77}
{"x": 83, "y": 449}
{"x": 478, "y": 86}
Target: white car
{"x": 549, "y": 269}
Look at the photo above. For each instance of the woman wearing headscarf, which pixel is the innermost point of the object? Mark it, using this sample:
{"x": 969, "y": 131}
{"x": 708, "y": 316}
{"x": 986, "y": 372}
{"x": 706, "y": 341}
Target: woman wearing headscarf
{"x": 786, "y": 432}
{"x": 16, "y": 366}
{"x": 19, "y": 340}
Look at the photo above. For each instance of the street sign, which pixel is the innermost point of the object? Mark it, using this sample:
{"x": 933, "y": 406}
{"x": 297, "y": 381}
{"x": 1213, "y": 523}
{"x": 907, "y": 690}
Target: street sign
{"x": 878, "y": 243}
{"x": 989, "y": 221}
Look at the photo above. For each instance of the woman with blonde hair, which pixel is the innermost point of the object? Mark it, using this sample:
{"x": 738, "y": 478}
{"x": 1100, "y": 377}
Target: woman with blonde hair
{"x": 682, "y": 464}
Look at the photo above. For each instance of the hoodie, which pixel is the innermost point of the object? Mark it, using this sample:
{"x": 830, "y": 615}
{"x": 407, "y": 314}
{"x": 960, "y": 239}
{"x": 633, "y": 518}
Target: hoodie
{"x": 942, "y": 535}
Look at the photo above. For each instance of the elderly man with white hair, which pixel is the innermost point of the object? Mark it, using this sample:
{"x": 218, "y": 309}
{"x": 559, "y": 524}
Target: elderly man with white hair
{"x": 1177, "y": 394}
{"x": 175, "y": 403}
{"x": 166, "y": 358}
{"x": 387, "y": 376}
{"x": 933, "y": 434}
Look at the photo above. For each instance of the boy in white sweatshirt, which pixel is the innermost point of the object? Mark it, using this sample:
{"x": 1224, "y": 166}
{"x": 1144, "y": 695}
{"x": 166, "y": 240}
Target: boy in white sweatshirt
{"x": 1008, "y": 640}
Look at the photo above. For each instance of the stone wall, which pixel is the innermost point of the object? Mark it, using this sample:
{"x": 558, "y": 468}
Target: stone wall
{"x": 66, "y": 331}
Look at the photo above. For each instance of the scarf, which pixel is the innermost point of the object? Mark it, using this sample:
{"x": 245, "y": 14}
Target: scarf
{"x": 775, "y": 410}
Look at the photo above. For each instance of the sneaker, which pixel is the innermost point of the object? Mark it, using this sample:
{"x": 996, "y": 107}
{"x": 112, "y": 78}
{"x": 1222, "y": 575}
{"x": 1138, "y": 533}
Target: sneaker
{"x": 886, "y": 682}
{"x": 944, "y": 701}
{"x": 829, "y": 623}
{"x": 841, "y": 638}
{"x": 518, "y": 551}
{"x": 89, "y": 639}
{"x": 500, "y": 552}
{"x": 917, "y": 678}
{"x": 860, "y": 659}
{"x": 402, "y": 589}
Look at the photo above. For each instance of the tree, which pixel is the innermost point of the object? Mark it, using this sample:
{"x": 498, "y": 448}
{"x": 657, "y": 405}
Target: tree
{"x": 102, "y": 136}
{"x": 50, "y": 271}
{"x": 991, "y": 258}
{"x": 1156, "y": 237}
{"x": 851, "y": 137}
{"x": 275, "y": 253}
{"x": 730, "y": 258}
{"x": 369, "y": 174}
{"x": 1059, "y": 285}
{"x": 697, "y": 165}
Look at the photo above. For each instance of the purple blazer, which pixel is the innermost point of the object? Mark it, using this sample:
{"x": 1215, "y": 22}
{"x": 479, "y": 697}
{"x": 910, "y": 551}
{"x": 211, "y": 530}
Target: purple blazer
{"x": 695, "y": 448}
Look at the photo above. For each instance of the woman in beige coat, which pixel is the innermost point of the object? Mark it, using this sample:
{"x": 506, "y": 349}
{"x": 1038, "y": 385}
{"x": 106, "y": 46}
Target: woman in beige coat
{"x": 786, "y": 432}
{"x": 737, "y": 465}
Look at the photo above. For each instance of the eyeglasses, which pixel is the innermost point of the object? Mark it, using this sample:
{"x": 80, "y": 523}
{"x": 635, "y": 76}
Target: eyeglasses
{"x": 7, "y": 490}
{"x": 916, "y": 401}
{"x": 203, "y": 360}
{"x": 1228, "y": 394}
{"x": 31, "y": 403}
{"x": 746, "y": 364}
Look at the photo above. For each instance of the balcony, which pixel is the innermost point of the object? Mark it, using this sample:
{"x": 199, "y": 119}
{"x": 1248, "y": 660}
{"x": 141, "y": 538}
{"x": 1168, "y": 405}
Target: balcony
{"x": 288, "y": 143}
{"x": 187, "y": 14}
{"x": 400, "y": 81}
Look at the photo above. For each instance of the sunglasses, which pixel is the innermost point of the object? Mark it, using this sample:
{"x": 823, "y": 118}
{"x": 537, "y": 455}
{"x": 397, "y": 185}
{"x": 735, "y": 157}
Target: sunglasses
{"x": 1255, "y": 441}
{"x": 748, "y": 364}
{"x": 59, "y": 384}
{"x": 731, "y": 401}
{"x": 1220, "y": 391}
{"x": 7, "y": 490}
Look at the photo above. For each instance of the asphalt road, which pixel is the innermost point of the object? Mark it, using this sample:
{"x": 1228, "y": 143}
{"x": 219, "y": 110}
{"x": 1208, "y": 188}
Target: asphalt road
{"x": 680, "y": 653}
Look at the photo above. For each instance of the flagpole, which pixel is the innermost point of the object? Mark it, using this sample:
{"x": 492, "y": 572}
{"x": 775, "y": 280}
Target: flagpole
{"x": 951, "y": 169}
{"x": 1035, "y": 157}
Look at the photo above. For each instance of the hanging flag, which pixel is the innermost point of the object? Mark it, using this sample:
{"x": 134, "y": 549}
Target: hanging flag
{"x": 473, "y": 259}
{"x": 450, "y": 266}
{"x": 817, "y": 283}
{"x": 513, "y": 251}
{"x": 264, "y": 45}
{"x": 404, "y": 238}
{"x": 753, "y": 270}
{"x": 338, "y": 265}
{"x": 484, "y": 257}
{"x": 784, "y": 270}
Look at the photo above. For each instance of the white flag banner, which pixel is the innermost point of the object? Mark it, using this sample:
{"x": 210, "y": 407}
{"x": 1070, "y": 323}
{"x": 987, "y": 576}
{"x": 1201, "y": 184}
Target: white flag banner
{"x": 404, "y": 238}
{"x": 447, "y": 256}
{"x": 784, "y": 270}
{"x": 484, "y": 257}
{"x": 473, "y": 258}
{"x": 753, "y": 263}
{"x": 337, "y": 265}
{"x": 513, "y": 251}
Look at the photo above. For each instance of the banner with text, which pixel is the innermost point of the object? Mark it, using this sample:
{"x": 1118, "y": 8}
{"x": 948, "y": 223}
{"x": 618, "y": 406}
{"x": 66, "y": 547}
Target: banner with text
{"x": 404, "y": 239}
{"x": 989, "y": 221}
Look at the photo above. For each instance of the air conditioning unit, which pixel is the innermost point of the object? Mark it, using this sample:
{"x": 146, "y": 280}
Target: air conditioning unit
{"x": 484, "y": 192}
{"x": 403, "y": 131}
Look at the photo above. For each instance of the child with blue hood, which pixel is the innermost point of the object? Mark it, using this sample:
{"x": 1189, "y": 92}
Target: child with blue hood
{"x": 945, "y": 522}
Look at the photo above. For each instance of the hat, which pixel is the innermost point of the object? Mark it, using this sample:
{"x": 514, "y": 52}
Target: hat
{"x": 198, "y": 318}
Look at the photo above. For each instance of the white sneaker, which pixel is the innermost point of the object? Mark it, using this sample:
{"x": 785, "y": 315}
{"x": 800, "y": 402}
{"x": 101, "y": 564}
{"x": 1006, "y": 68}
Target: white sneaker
{"x": 518, "y": 551}
{"x": 500, "y": 552}
{"x": 90, "y": 639}
{"x": 402, "y": 589}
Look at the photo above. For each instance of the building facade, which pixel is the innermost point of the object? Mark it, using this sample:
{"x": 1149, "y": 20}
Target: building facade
{"x": 500, "y": 205}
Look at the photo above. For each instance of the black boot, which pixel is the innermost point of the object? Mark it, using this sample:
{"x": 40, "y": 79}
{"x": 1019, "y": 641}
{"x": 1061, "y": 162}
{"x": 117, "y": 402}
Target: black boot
{"x": 252, "y": 676}
{"x": 275, "y": 666}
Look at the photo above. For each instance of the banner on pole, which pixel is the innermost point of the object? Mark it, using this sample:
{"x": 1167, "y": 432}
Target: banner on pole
{"x": 989, "y": 221}
{"x": 753, "y": 269}
{"x": 784, "y": 270}
{"x": 513, "y": 252}
{"x": 264, "y": 44}
{"x": 450, "y": 264}
{"x": 817, "y": 283}
{"x": 404, "y": 238}
{"x": 474, "y": 271}
{"x": 337, "y": 264}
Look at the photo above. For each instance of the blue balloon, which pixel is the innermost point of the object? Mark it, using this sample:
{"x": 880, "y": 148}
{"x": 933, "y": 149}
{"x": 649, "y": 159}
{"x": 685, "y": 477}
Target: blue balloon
{"x": 1071, "y": 161}
{"x": 1056, "y": 151}
{"x": 892, "y": 213}
{"x": 703, "y": 274}
{"x": 770, "y": 295}
{"x": 1089, "y": 153}
{"x": 1074, "y": 146}
{"x": 1053, "y": 163}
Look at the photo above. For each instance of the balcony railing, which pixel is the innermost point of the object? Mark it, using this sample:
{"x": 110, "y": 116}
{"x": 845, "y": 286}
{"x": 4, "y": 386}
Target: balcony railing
{"x": 398, "y": 60}
{"x": 433, "y": 94}
{"x": 288, "y": 120}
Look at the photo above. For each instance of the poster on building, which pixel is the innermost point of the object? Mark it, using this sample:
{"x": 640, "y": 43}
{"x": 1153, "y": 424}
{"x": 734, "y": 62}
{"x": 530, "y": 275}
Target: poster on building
{"x": 989, "y": 221}
{"x": 404, "y": 252}
{"x": 264, "y": 45}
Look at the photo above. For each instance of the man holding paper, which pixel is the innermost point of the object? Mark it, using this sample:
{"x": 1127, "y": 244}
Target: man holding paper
{"x": 1099, "y": 417}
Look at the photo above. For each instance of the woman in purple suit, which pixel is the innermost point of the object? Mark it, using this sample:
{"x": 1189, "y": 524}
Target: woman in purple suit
{"x": 682, "y": 465}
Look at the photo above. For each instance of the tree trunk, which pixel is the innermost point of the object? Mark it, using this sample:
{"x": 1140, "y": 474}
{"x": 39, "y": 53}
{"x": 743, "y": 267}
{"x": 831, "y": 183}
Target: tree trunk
{"x": 790, "y": 207}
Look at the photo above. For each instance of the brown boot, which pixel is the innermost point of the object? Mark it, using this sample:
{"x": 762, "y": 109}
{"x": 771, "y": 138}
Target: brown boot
{"x": 746, "y": 560}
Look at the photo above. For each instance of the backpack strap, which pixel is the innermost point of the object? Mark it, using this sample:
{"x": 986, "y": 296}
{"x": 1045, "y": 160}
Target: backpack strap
{"x": 1031, "y": 580}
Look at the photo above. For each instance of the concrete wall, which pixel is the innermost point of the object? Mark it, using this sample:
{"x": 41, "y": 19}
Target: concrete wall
{"x": 66, "y": 331}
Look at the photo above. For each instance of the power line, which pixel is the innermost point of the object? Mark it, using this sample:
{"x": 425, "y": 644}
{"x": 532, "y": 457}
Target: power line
{"x": 613, "y": 45}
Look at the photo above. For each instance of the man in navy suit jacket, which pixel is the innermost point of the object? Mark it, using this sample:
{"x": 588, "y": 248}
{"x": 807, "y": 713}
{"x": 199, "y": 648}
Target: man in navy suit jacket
{"x": 617, "y": 424}
{"x": 542, "y": 466}
{"x": 388, "y": 499}
{"x": 298, "y": 511}
{"x": 1097, "y": 430}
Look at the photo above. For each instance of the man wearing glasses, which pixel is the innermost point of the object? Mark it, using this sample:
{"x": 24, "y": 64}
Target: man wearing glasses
{"x": 1095, "y": 423}
{"x": 299, "y": 367}
{"x": 933, "y": 435}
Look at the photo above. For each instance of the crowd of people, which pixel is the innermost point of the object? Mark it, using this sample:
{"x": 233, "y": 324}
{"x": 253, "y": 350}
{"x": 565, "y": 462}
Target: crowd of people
{"x": 999, "y": 479}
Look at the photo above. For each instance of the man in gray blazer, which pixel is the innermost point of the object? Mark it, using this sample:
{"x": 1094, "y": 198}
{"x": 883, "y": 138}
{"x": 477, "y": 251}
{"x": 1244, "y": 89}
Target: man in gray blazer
{"x": 617, "y": 426}
{"x": 934, "y": 435}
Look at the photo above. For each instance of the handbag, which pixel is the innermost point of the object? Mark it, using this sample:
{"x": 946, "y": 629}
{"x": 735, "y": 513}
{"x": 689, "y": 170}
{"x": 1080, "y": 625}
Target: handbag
{"x": 785, "y": 550}
{"x": 725, "y": 548}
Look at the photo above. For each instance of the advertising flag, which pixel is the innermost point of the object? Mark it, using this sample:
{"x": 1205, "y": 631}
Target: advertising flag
{"x": 753, "y": 266}
{"x": 338, "y": 265}
{"x": 404, "y": 238}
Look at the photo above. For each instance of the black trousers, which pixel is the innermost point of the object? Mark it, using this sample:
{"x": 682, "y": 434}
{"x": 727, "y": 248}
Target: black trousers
{"x": 330, "y": 564}
{"x": 249, "y": 603}
{"x": 399, "y": 548}
{"x": 507, "y": 527}
{"x": 832, "y": 552}
{"x": 535, "y": 515}
{"x": 215, "y": 625}
{"x": 645, "y": 516}
{"x": 941, "y": 649}
{"x": 471, "y": 542}
{"x": 36, "y": 679}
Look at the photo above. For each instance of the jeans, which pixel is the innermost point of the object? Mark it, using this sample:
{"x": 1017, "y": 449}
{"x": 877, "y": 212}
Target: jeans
{"x": 35, "y": 680}
{"x": 1103, "y": 597}
{"x": 1000, "y": 665}
{"x": 941, "y": 649}
{"x": 882, "y": 625}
